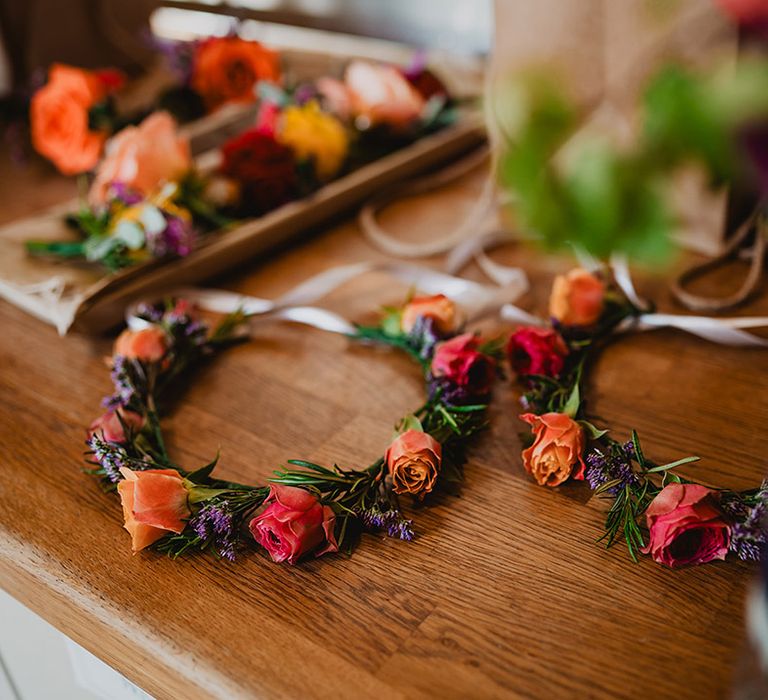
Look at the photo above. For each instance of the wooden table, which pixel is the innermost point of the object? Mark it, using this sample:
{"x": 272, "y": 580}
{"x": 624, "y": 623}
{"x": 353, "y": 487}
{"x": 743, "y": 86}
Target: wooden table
{"x": 503, "y": 594}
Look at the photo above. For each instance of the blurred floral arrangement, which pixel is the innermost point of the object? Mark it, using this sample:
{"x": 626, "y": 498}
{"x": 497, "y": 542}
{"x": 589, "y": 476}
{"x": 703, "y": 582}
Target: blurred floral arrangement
{"x": 306, "y": 509}
{"x": 145, "y": 197}
{"x": 687, "y": 523}
{"x": 569, "y": 188}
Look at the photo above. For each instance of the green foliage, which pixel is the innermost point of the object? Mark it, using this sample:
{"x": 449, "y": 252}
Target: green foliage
{"x": 607, "y": 199}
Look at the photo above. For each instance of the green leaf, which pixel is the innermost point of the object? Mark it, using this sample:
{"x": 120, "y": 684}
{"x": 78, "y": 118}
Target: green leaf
{"x": 60, "y": 249}
{"x": 672, "y": 465}
{"x": 198, "y": 494}
{"x": 410, "y": 422}
{"x": 638, "y": 450}
{"x": 203, "y": 473}
{"x": 573, "y": 404}
{"x": 592, "y": 431}
{"x": 391, "y": 323}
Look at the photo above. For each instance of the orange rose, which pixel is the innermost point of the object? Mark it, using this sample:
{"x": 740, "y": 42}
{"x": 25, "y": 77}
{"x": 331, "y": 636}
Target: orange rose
{"x": 413, "y": 461}
{"x": 439, "y": 308}
{"x": 577, "y": 298}
{"x": 227, "y": 69}
{"x": 557, "y": 450}
{"x": 148, "y": 344}
{"x": 59, "y": 119}
{"x": 142, "y": 157}
{"x": 382, "y": 95}
{"x": 155, "y": 501}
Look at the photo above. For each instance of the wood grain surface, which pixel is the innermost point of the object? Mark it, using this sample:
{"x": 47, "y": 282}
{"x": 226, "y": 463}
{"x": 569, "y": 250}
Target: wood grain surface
{"x": 504, "y": 593}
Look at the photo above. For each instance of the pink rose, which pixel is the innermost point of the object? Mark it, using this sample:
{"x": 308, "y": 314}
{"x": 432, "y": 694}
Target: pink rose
{"x": 335, "y": 96}
{"x": 381, "y": 95}
{"x": 534, "y": 350}
{"x": 148, "y": 344}
{"x": 293, "y": 524}
{"x": 267, "y": 118}
{"x": 460, "y": 361}
{"x": 142, "y": 157}
{"x": 110, "y": 428}
{"x": 686, "y": 526}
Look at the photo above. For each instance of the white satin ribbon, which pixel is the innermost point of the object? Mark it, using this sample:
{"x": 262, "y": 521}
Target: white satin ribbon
{"x": 725, "y": 331}
{"x": 476, "y": 300}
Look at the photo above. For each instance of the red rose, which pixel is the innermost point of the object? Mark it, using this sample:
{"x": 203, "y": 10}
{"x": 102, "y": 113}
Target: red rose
{"x": 427, "y": 84}
{"x": 534, "y": 350}
{"x": 264, "y": 168}
{"x": 111, "y": 78}
{"x": 460, "y": 361}
{"x": 294, "y": 523}
{"x": 749, "y": 13}
{"x": 686, "y": 526}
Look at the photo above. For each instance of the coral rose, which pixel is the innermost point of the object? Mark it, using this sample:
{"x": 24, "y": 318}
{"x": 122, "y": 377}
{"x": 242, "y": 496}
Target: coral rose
{"x": 382, "y": 95}
{"x": 293, "y": 524}
{"x": 155, "y": 502}
{"x": 111, "y": 429}
{"x": 460, "y": 361}
{"x": 534, "y": 350}
{"x": 439, "y": 308}
{"x": 59, "y": 119}
{"x": 686, "y": 526}
{"x": 264, "y": 169}
{"x": 577, "y": 298}
{"x": 142, "y": 158}
{"x": 413, "y": 460}
{"x": 313, "y": 134}
{"x": 557, "y": 449}
{"x": 147, "y": 344}
{"x": 226, "y": 69}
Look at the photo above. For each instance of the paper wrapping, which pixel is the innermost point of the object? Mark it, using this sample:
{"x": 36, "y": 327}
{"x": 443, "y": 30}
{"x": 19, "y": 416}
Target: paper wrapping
{"x": 82, "y": 296}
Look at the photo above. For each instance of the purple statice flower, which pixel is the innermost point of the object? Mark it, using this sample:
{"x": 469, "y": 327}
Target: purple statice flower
{"x": 125, "y": 195}
{"x": 181, "y": 323}
{"x": 150, "y": 312}
{"x": 177, "y": 238}
{"x": 109, "y": 455}
{"x": 603, "y": 467}
{"x": 179, "y": 55}
{"x": 121, "y": 378}
{"x": 391, "y": 520}
{"x": 424, "y": 336}
{"x": 214, "y": 523}
{"x": 304, "y": 93}
{"x": 451, "y": 393}
{"x": 417, "y": 65}
{"x": 748, "y": 531}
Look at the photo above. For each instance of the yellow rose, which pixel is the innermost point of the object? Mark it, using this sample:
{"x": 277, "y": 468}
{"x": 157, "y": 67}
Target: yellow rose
{"x": 311, "y": 133}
